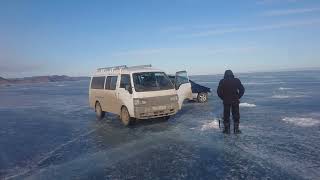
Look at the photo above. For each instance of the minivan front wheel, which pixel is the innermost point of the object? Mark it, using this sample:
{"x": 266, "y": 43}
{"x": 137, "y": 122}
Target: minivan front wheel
{"x": 99, "y": 113}
{"x": 125, "y": 116}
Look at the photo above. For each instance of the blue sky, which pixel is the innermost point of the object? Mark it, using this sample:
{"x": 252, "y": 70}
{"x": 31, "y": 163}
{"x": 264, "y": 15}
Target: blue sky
{"x": 74, "y": 37}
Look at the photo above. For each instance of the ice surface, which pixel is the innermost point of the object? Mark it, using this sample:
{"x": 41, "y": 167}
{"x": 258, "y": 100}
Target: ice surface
{"x": 263, "y": 83}
{"x": 213, "y": 124}
{"x": 49, "y": 132}
{"x": 288, "y": 96}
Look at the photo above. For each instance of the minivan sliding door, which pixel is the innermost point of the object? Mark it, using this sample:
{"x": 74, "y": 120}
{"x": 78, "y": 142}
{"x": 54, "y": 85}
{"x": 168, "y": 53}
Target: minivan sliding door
{"x": 111, "y": 100}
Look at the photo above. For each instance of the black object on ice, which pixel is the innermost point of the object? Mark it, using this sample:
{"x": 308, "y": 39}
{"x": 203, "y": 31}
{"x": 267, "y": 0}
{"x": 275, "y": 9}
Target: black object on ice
{"x": 236, "y": 129}
{"x": 226, "y": 129}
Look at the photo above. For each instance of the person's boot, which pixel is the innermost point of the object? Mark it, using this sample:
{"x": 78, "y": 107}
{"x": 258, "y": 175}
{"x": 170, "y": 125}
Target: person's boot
{"x": 226, "y": 129}
{"x": 236, "y": 128}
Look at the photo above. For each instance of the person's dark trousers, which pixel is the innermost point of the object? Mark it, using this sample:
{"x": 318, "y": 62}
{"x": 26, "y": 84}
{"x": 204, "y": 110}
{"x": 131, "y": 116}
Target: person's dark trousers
{"x": 234, "y": 108}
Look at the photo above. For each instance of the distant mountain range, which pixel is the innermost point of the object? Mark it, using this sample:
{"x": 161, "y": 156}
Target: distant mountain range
{"x": 40, "y": 79}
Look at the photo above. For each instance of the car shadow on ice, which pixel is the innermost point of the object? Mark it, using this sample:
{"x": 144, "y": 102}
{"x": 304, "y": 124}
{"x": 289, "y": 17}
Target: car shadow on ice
{"x": 114, "y": 121}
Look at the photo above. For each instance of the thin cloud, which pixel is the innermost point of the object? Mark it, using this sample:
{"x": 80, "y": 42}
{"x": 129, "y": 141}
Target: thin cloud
{"x": 256, "y": 28}
{"x": 142, "y": 52}
{"x": 197, "y": 50}
{"x": 290, "y": 11}
{"x": 193, "y": 27}
{"x": 173, "y": 29}
{"x": 263, "y": 2}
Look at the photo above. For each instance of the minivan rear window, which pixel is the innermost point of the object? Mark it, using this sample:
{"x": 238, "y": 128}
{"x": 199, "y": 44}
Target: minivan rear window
{"x": 97, "y": 82}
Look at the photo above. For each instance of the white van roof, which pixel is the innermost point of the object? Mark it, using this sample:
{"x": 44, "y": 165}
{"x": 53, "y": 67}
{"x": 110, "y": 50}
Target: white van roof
{"x": 125, "y": 70}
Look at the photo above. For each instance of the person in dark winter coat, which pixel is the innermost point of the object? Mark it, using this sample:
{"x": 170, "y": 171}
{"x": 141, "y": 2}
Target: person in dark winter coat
{"x": 230, "y": 90}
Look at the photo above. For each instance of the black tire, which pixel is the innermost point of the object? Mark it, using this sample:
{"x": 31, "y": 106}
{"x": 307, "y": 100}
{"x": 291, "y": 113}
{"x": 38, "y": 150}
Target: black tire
{"x": 202, "y": 97}
{"x": 99, "y": 113}
{"x": 125, "y": 117}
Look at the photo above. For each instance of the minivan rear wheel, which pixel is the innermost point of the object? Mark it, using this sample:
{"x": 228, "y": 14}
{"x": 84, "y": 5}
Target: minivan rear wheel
{"x": 99, "y": 113}
{"x": 125, "y": 117}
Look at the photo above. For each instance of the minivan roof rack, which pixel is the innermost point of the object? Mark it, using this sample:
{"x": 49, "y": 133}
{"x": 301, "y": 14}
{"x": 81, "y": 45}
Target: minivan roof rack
{"x": 121, "y": 67}
{"x": 111, "y": 68}
{"x": 141, "y": 66}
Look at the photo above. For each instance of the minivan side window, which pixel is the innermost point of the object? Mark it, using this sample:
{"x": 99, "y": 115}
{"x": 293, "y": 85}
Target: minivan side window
{"x": 97, "y": 82}
{"x": 111, "y": 82}
{"x": 125, "y": 80}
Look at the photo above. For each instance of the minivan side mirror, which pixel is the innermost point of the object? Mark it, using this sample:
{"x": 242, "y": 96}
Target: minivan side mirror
{"x": 177, "y": 86}
{"x": 177, "y": 83}
{"x": 128, "y": 88}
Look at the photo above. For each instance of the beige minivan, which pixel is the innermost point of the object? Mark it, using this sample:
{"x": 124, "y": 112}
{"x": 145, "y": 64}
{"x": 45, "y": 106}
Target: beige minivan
{"x": 137, "y": 92}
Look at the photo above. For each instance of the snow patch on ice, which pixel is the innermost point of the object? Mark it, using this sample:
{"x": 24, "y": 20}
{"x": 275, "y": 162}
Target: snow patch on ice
{"x": 287, "y": 96}
{"x": 247, "y": 105}
{"x": 284, "y": 88}
{"x": 280, "y": 96}
{"x": 299, "y": 121}
{"x": 214, "y": 124}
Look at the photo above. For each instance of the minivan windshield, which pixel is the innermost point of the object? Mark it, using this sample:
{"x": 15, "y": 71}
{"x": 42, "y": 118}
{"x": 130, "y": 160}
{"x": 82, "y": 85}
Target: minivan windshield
{"x": 151, "y": 81}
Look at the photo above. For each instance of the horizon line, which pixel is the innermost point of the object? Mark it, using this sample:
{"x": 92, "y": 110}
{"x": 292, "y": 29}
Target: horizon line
{"x": 209, "y": 74}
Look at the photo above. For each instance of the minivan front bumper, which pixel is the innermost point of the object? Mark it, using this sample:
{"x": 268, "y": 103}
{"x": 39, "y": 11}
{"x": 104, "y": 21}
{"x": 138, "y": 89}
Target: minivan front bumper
{"x": 156, "y": 107}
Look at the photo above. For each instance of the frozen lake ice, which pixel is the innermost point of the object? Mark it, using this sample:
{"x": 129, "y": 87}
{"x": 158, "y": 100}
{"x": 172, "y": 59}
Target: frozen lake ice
{"x": 47, "y": 131}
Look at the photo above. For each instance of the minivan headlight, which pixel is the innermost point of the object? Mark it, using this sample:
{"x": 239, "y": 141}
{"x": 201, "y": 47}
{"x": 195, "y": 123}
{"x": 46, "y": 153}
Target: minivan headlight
{"x": 174, "y": 98}
{"x": 139, "y": 102}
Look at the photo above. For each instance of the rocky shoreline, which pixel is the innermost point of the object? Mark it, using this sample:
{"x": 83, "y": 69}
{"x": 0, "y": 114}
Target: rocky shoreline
{"x": 39, "y": 79}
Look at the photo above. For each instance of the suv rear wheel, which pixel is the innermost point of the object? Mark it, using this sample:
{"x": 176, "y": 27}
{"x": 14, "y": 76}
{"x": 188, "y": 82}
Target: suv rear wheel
{"x": 202, "y": 97}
